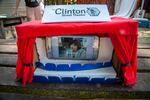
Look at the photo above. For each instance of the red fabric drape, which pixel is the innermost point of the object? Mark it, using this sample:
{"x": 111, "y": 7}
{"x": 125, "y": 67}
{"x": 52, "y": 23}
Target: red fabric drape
{"x": 126, "y": 49}
{"x": 25, "y": 69}
{"x": 124, "y": 41}
{"x": 122, "y": 32}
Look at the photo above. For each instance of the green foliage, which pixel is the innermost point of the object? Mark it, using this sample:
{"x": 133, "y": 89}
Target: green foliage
{"x": 70, "y": 1}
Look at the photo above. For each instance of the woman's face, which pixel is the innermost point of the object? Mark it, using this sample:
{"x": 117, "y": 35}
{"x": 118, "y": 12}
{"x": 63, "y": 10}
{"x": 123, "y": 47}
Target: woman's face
{"x": 73, "y": 47}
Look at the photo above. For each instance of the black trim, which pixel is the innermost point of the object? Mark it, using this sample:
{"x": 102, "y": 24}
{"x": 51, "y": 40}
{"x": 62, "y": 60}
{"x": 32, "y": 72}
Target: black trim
{"x": 28, "y": 65}
{"x": 125, "y": 65}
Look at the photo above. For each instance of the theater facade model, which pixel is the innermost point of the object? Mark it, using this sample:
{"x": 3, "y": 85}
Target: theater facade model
{"x": 75, "y": 59}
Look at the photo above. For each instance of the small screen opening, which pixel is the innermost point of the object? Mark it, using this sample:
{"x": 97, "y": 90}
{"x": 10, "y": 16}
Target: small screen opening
{"x": 72, "y": 47}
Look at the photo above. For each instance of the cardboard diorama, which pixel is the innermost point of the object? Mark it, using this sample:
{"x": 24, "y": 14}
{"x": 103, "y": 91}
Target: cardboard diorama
{"x": 70, "y": 48}
{"x": 75, "y": 59}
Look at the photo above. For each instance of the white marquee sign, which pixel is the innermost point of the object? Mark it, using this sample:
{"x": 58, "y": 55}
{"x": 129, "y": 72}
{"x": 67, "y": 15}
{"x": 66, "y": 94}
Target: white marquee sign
{"x": 75, "y": 13}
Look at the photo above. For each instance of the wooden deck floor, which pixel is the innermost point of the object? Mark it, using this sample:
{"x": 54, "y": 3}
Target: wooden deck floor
{"x": 8, "y": 57}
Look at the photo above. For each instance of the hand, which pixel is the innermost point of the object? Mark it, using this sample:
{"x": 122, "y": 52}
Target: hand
{"x": 14, "y": 13}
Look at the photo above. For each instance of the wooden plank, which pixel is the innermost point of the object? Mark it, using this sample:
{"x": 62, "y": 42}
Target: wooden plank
{"x": 144, "y": 30}
{"x": 8, "y": 59}
{"x": 144, "y": 46}
{"x": 144, "y": 64}
{"x": 7, "y": 42}
{"x": 7, "y": 76}
{"x": 143, "y": 40}
{"x": 8, "y": 49}
{"x": 143, "y": 53}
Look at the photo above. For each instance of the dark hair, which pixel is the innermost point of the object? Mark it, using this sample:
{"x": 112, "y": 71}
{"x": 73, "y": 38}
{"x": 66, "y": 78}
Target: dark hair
{"x": 77, "y": 43}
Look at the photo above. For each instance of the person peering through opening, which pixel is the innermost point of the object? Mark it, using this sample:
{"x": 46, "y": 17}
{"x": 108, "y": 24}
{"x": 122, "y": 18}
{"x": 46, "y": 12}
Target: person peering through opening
{"x": 76, "y": 50}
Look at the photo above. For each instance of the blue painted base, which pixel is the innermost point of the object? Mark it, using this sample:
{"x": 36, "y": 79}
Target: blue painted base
{"x": 55, "y": 79}
{"x": 75, "y": 73}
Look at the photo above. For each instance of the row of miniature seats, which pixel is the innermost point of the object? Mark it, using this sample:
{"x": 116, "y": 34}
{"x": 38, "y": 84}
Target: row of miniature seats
{"x": 56, "y": 79}
{"x": 72, "y": 67}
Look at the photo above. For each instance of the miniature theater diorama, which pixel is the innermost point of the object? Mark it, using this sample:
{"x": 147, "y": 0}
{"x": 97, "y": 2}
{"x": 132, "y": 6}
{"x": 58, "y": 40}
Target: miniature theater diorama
{"x": 75, "y": 59}
{"x": 81, "y": 46}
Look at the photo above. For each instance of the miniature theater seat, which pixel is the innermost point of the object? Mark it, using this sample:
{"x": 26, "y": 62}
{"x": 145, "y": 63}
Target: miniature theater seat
{"x": 63, "y": 67}
{"x": 50, "y": 67}
{"x": 75, "y": 67}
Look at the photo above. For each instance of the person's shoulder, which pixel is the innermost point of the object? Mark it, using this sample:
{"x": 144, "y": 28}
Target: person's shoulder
{"x": 82, "y": 50}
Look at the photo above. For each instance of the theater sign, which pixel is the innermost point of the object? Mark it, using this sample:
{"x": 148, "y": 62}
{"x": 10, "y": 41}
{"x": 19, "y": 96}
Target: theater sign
{"x": 75, "y": 13}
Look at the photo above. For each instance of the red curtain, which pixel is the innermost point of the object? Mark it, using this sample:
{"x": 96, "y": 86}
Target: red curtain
{"x": 24, "y": 68}
{"x": 126, "y": 50}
